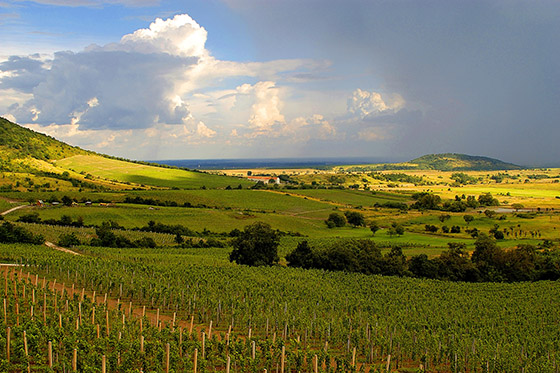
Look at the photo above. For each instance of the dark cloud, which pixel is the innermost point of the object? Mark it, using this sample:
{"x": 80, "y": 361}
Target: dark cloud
{"x": 25, "y": 73}
{"x": 484, "y": 72}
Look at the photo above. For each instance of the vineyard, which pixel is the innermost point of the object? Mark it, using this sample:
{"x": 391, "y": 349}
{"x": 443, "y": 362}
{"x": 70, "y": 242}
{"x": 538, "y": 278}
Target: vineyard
{"x": 173, "y": 309}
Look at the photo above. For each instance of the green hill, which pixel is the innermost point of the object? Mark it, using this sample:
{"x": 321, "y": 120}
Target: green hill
{"x": 460, "y": 162}
{"x": 17, "y": 142}
{"x": 25, "y": 153}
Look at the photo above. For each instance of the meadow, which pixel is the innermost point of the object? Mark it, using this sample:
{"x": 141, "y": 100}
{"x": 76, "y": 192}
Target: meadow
{"x": 140, "y": 174}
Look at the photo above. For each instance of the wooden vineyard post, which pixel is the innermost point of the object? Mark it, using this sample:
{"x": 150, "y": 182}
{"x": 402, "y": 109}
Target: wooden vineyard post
{"x": 5, "y": 313}
{"x": 354, "y": 358}
{"x": 75, "y": 360}
{"x": 25, "y": 343}
{"x": 93, "y": 315}
{"x": 180, "y": 341}
{"x": 60, "y": 320}
{"x": 143, "y": 311}
{"x": 157, "y": 318}
{"x": 174, "y": 318}
{"x": 167, "y": 358}
{"x": 203, "y": 344}
{"x": 8, "y": 337}
{"x": 141, "y": 328}
{"x": 142, "y": 344}
{"x": 282, "y": 361}
{"x": 192, "y": 322}
{"x": 388, "y": 363}
{"x": 253, "y": 348}
{"x": 103, "y": 364}
{"x": 50, "y": 355}
{"x": 93, "y": 298}
{"x": 107, "y": 322}
{"x": 228, "y": 364}
{"x": 210, "y": 330}
{"x": 105, "y": 299}
{"x": 130, "y": 309}
{"x": 195, "y": 359}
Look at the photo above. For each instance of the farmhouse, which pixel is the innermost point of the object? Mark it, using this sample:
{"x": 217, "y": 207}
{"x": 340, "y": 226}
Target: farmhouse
{"x": 265, "y": 179}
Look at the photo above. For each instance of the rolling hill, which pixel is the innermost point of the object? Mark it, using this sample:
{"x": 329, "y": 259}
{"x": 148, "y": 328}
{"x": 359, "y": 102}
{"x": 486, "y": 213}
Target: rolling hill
{"x": 26, "y": 153}
{"x": 461, "y": 162}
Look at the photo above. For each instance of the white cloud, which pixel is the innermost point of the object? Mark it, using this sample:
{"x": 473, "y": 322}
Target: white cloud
{"x": 265, "y": 112}
{"x": 364, "y": 103}
{"x": 155, "y": 91}
{"x": 178, "y": 36}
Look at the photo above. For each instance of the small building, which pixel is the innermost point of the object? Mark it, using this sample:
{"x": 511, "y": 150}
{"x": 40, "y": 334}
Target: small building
{"x": 265, "y": 179}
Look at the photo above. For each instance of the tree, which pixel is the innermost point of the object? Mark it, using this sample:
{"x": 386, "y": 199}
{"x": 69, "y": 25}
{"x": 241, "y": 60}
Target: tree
{"x": 302, "y": 256}
{"x": 336, "y": 220}
{"x": 67, "y": 201}
{"x": 444, "y": 217}
{"x": 68, "y": 240}
{"x": 487, "y": 200}
{"x": 468, "y": 218}
{"x": 374, "y": 227}
{"x": 355, "y": 218}
{"x": 256, "y": 245}
{"x": 426, "y": 201}
{"x": 517, "y": 206}
{"x": 490, "y": 213}
{"x": 399, "y": 229}
{"x": 179, "y": 239}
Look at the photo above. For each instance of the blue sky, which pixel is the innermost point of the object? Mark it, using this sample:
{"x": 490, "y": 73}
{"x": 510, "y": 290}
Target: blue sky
{"x": 149, "y": 79}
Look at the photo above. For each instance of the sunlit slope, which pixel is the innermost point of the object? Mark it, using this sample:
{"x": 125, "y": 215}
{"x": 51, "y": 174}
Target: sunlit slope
{"x": 17, "y": 143}
{"x": 141, "y": 174}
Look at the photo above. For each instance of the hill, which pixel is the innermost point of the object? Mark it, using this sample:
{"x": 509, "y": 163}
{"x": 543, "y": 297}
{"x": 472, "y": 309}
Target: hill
{"x": 53, "y": 164}
{"x": 19, "y": 143}
{"x": 460, "y": 162}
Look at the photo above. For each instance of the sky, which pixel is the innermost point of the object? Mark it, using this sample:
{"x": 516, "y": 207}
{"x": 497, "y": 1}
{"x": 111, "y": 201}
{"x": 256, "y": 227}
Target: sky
{"x": 214, "y": 79}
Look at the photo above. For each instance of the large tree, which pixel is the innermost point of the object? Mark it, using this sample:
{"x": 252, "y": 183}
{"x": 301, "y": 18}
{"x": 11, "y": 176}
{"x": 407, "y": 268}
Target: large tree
{"x": 256, "y": 245}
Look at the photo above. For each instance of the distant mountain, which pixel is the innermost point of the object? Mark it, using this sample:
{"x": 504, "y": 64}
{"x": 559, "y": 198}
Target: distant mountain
{"x": 460, "y": 162}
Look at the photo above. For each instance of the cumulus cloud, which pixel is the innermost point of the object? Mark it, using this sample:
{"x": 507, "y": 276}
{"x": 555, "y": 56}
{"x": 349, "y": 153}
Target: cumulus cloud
{"x": 159, "y": 82}
{"x": 134, "y": 82}
{"x": 364, "y": 103}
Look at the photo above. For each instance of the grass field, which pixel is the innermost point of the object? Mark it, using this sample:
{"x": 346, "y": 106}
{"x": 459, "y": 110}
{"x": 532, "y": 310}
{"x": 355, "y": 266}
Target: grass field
{"x": 112, "y": 169}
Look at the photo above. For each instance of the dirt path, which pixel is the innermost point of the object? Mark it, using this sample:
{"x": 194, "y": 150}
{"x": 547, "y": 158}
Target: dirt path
{"x": 13, "y": 209}
{"x": 53, "y": 246}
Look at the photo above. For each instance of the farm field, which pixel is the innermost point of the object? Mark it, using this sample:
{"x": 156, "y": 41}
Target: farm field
{"x": 268, "y": 317}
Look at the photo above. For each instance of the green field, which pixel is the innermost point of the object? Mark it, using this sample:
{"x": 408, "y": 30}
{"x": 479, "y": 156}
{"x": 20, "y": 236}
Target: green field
{"x": 112, "y": 169}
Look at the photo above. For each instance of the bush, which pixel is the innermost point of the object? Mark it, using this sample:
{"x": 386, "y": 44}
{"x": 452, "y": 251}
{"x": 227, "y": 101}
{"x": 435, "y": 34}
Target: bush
{"x": 68, "y": 240}
{"x": 355, "y": 218}
{"x": 256, "y": 245}
{"x": 9, "y": 233}
{"x": 336, "y": 220}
